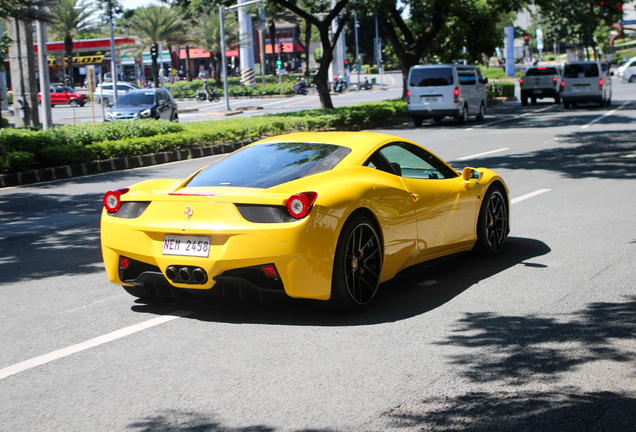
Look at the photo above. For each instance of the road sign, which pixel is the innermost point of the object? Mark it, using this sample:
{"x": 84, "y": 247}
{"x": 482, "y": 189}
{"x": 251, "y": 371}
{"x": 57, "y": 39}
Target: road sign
{"x": 630, "y": 22}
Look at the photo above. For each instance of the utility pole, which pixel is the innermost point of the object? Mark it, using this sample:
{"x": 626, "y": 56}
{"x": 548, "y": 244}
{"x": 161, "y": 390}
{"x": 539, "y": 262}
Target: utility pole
{"x": 45, "y": 82}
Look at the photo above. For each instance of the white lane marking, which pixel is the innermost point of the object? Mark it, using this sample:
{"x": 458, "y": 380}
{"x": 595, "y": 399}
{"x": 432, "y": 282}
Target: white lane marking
{"x": 510, "y": 118}
{"x": 529, "y": 195}
{"x": 91, "y": 343}
{"x": 483, "y": 154}
{"x": 609, "y": 113}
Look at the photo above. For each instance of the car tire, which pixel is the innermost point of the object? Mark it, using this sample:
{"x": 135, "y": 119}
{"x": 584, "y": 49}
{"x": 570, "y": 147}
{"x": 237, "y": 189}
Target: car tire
{"x": 73, "y": 103}
{"x": 175, "y": 118}
{"x": 632, "y": 79}
{"x": 524, "y": 101}
{"x": 437, "y": 120}
{"x": 566, "y": 105}
{"x": 105, "y": 101}
{"x": 482, "y": 112}
{"x": 602, "y": 102}
{"x": 533, "y": 100}
{"x": 463, "y": 117}
{"x": 357, "y": 265}
{"x": 492, "y": 223}
{"x": 557, "y": 99}
{"x": 417, "y": 121}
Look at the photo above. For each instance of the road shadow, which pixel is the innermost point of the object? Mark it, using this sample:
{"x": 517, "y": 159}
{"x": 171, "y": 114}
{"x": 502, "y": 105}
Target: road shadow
{"x": 397, "y": 299}
{"x": 190, "y": 421}
{"x": 522, "y": 349}
{"x": 563, "y": 410}
{"x": 603, "y": 155}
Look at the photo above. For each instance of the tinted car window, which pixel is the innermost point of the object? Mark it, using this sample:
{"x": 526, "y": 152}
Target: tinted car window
{"x": 466, "y": 76}
{"x": 581, "y": 70}
{"x": 129, "y": 99}
{"x": 407, "y": 160}
{"x": 431, "y": 77}
{"x": 268, "y": 165}
{"x": 542, "y": 71}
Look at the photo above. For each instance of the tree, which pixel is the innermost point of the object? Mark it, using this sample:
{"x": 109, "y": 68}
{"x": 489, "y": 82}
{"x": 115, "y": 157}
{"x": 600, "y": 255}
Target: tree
{"x": 70, "y": 18}
{"x": 327, "y": 40}
{"x": 207, "y": 31}
{"x": 154, "y": 24}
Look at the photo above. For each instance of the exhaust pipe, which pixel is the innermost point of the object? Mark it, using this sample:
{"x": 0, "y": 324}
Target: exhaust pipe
{"x": 199, "y": 275}
{"x": 185, "y": 274}
{"x": 171, "y": 273}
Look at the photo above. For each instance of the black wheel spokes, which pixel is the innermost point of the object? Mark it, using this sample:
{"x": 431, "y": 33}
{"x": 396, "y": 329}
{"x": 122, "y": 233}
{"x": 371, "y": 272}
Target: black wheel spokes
{"x": 363, "y": 264}
{"x": 496, "y": 221}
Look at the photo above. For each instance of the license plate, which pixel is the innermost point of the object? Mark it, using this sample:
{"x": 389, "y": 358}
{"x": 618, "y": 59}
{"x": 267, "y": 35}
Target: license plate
{"x": 538, "y": 91}
{"x": 579, "y": 89}
{"x": 186, "y": 245}
{"x": 430, "y": 100}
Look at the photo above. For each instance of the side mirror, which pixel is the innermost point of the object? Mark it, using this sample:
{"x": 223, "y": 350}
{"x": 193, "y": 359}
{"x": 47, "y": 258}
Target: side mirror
{"x": 483, "y": 80}
{"x": 471, "y": 174}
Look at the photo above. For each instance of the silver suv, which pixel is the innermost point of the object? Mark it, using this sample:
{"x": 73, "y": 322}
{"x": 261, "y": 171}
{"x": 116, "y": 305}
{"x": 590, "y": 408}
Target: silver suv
{"x": 446, "y": 90}
{"x": 586, "y": 81}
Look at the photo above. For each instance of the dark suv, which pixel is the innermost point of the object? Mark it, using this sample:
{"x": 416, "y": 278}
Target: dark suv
{"x": 155, "y": 103}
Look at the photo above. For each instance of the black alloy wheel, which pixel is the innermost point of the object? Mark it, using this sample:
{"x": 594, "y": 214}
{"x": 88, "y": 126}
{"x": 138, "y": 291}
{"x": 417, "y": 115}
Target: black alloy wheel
{"x": 357, "y": 265}
{"x": 492, "y": 224}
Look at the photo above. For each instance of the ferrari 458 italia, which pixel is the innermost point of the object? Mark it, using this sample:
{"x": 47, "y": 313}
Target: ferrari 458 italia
{"x": 324, "y": 215}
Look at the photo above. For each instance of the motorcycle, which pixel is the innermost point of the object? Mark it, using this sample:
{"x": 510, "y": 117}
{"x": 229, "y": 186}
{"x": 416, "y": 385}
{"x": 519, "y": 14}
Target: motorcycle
{"x": 340, "y": 86}
{"x": 211, "y": 96}
{"x": 365, "y": 86}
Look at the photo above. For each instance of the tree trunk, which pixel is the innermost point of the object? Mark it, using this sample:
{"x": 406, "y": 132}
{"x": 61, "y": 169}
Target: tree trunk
{"x": 217, "y": 69}
{"x": 307, "y": 42}
{"x": 155, "y": 72}
{"x": 188, "y": 71}
{"x": 68, "y": 48}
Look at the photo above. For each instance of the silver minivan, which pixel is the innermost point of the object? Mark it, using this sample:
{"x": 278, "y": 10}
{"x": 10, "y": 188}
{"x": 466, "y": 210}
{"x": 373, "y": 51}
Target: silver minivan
{"x": 586, "y": 81}
{"x": 627, "y": 71}
{"x": 446, "y": 90}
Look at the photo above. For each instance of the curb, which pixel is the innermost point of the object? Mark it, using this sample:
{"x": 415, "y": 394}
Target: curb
{"x": 129, "y": 162}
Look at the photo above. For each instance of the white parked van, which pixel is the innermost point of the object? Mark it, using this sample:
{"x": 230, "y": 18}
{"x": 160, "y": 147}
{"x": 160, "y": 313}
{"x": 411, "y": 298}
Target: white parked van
{"x": 627, "y": 71}
{"x": 446, "y": 90}
{"x": 586, "y": 81}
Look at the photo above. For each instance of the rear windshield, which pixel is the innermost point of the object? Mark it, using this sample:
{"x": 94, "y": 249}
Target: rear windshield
{"x": 431, "y": 77}
{"x": 542, "y": 71}
{"x": 130, "y": 99}
{"x": 581, "y": 70}
{"x": 267, "y": 165}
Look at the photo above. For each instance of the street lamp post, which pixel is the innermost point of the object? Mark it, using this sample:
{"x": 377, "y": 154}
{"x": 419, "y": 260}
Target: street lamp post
{"x": 113, "y": 63}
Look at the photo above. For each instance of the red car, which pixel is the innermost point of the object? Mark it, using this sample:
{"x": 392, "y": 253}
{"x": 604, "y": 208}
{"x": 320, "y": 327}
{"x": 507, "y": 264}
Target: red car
{"x": 65, "y": 95}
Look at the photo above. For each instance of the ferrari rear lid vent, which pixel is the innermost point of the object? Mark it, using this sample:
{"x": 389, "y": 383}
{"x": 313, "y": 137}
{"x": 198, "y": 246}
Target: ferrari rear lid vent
{"x": 300, "y": 204}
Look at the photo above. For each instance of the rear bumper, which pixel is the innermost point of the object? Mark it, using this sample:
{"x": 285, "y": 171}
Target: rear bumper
{"x": 577, "y": 97}
{"x": 430, "y": 112}
{"x": 539, "y": 93}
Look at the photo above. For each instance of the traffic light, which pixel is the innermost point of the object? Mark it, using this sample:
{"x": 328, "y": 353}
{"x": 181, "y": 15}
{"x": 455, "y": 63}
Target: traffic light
{"x": 154, "y": 50}
{"x": 281, "y": 47}
{"x": 346, "y": 62}
{"x": 279, "y": 64}
{"x": 526, "y": 39}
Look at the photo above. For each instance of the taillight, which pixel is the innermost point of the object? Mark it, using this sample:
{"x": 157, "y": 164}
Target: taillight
{"x": 112, "y": 201}
{"x": 300, "y": 204}
{"x": 124, "y": 262}
{"x": 554, "y": 79}
{"x": 270, "y": 270}
{"x": 600, "y": 84}
{"x": 520, "y": 82}
{"x": 456, "y": 94}
{"x": 408, "y": 96}
{"x": 562, "y": 84}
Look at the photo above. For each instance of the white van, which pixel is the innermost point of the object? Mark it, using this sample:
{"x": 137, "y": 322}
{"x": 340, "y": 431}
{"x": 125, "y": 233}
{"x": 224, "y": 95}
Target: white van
{"x": 446, "y": 90}
{"x": 586, "y": 81}
{"x": 627, "y": 71}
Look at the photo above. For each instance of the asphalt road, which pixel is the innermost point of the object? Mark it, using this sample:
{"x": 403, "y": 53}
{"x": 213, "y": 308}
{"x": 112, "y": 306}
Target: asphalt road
{"x": 541, "y": 337}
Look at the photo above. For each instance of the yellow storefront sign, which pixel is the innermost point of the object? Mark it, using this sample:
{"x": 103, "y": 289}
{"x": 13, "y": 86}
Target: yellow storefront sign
{"x": 84, "y": 60}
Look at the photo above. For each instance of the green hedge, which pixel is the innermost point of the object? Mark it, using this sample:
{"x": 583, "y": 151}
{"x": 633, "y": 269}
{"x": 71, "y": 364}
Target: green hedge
{"x": 22, "y": 149}
{"x": 189, "y": 89}
{"x": 501, "y": 89}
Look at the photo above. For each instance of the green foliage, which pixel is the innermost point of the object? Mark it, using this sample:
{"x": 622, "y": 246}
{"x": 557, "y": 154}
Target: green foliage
{"x": 503, "y": 88}
{"x": 496, "y": 73}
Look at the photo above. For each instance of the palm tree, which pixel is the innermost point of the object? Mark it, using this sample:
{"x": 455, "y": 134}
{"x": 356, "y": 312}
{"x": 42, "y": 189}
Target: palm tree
{"x": 153, "y": 24}
{"x": 70, "y": 18}
{"x": 207, "y": 32}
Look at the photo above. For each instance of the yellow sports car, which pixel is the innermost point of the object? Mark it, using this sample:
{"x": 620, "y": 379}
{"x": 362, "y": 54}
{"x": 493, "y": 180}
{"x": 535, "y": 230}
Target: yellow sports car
{"x": 324, "y": 215}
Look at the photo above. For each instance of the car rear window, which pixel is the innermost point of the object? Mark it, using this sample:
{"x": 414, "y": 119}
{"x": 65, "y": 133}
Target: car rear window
{"x": 431, "y": 77}
{"x": 129, "y": 99}
{"x": 267, "y": 165}
{"x": 581, "y": 70}
{"x": 542, "y": 71}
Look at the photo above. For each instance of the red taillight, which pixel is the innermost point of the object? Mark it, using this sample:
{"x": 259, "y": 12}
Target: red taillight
{"x": 562, "y": 84}
{"x": 124, "y": 262}
{"x": 600, "y": 84}
{"x": 408, "y": 96}
{"x": 300, "y": 205}
{"x": 270, "y": 270}
{"x": 520, "y": 82}
{"x": 112, "y": 201}
{"x": 541, "y": 68}
{"x": 456, "y": 94}
{"x": 554, "y": 79}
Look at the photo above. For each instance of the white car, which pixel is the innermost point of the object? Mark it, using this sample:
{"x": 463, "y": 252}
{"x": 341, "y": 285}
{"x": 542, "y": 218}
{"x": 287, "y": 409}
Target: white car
{"x": 585, "y": 82}
{"x": 627, "y": 71}
{"x": 104, "y": 92}
{"x": 446, "y": 90}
